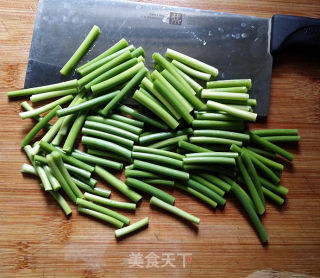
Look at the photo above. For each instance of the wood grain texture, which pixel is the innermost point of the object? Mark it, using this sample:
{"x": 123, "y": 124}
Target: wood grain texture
{"x": 36, "y": 240}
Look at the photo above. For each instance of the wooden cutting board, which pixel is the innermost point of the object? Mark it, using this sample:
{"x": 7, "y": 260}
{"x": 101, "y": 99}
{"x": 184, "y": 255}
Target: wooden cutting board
{"x": 37, "y": 240}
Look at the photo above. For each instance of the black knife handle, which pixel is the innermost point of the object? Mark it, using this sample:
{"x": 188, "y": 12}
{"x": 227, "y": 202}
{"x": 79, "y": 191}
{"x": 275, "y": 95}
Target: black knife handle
{"x": 298, "y": 32}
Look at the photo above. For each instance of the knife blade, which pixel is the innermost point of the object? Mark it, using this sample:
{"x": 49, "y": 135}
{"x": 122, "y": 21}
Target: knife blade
{"x": 238, "y": 45}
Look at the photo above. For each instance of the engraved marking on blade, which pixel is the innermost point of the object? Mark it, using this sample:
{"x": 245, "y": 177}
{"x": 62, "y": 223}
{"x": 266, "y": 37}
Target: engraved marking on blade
{"x": 175, "y": 18}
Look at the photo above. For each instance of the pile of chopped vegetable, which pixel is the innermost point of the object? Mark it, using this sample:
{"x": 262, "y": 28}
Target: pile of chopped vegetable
{"x": 184, "y": 136}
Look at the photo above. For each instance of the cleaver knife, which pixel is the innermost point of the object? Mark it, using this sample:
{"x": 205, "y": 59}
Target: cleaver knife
{"x": 239, "y": 46}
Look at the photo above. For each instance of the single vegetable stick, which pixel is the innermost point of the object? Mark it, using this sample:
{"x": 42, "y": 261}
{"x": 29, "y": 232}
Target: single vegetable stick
{"x": 223, "y": 125}
{"x": 253, "y": 174}
{"x": 270, "y": 146}
{"x": 155, "y": 137}
{"x": 214, "y": 140}
{"x": 142, "y": 186}
{"x": 116, "y": 47}
{"x": 252, "y": 189}
{"x": 237, "y": 89}
{"x": 93, "y": 124}
{"x": 43, "y": 89}
{"x": 106, "y": 145}
{"x": 206, "y": 94}
{"x": 150, "y": 86}
{"x": 118, "y": 79}
{"x": 192, "y": 62}
{"x": 223, "y": 134}
{"x": 161, "y": 170}
{"x": 282, "y": 139}
{"x": 209, "y": 160}
{"x": 138, "y": 52}
{"x": 177, "y": 211}
{"x": 188, "y": 92}
{"x": 101, "y": 209}
{"x": 27, "y": 139}
{"x": 127, "y": 120}
{"x": 118, "y": 184}
{"x": 45, "y": 108}
{"x": 243, "y": 106}
{"x": 251, "y": 213}
{"x": 232, "y": 111}
{"x": 74, "y": 131}
{"x": 143, "y": 118}
{"x": 110, "y": 203}
{"x": 193, "y": 84}
{"x": 155, "y": 108}
{"x": 213, "y": 154}
{"x": 28, "y": 169}
{"x": 275, "y": 132}
{"x": 191, "y": 147}
{"x": 158, "y": 152}
{"x": 107, "y": 136}
{"x": 167, "y": 142}
{"x": 230, "y": 83}
{"x": 130, "y": 173}
{"x": 197, "y": 194}
{"x": 58, "y": 175}
{"x": 49, "y": 148}
{"x": 97, "y": 160}
{"x": 156, "y": 158}
{"x": 96, "y": 190}
{"x": 215, "y": 116}
{"x": 100, "y": 216}
{"x": 99, "y": 67}
{"x": 237, "y": 102}
{"x": 159, "y": 182}
{"x": 208, "y": 184}
{"x": 191, "y": 72}
{"x": 53, "y": 94}
{"x": 132, "y": 228}
{"x": 83, "y": 48}
{"x": 87, "y": 104}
